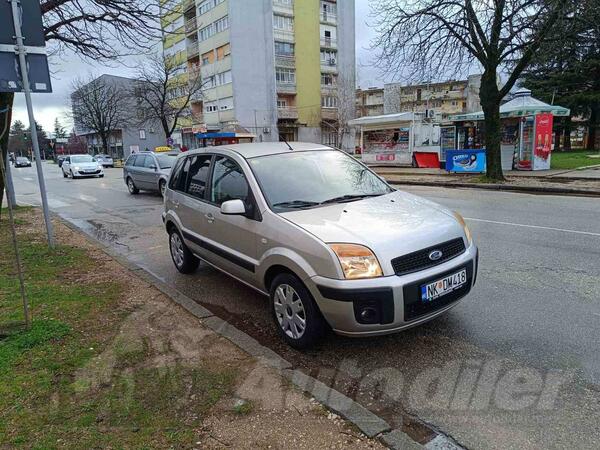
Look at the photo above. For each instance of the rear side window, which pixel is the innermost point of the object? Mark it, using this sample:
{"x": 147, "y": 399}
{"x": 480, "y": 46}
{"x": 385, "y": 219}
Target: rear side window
{"x": 228, "y": 182}
{"x": 198, "y": 175}
{"x": 177, "y": 174}
{"x": 140, "y": 161}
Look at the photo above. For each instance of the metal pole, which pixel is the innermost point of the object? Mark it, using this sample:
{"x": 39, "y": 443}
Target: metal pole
{"x": 20, "y": 50}
{"x": 9, "y": 189}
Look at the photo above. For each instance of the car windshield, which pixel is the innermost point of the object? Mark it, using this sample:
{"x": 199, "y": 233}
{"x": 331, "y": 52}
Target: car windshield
{"x": 166, "y": 161}
{"x": 82, "y": 159}
{"x": 313, "y": 178}
{"x": 21, "y": 159}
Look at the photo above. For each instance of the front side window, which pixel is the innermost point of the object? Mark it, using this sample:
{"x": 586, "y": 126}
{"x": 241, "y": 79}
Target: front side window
{"x": 176, "y": 174}
{"x": 140, "y": 161}
{"x": 228, "y": 182}
{"x": 198, "y": 175}
{"x": 166, "y": 161}
{"x": 149, "y": 163}
{"x": 328, "y": 176}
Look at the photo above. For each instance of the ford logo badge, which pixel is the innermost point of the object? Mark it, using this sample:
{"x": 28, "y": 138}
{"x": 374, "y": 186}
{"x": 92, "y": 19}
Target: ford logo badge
{"x": 435, "y": 255}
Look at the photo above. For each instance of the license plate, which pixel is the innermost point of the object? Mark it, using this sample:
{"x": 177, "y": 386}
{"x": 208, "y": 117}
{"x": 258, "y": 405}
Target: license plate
{"x": 443, "y": 286}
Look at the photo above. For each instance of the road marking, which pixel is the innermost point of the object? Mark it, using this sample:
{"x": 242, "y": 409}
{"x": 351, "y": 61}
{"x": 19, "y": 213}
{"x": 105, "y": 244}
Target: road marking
{"x": 587, "y": 233}
{"x": 57, "y": 203}
{"x": 28, "y": 178}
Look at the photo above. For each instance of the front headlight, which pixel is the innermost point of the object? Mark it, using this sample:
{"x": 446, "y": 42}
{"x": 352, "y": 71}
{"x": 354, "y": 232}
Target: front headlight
{"x": 463, "y": 224}
{"x": 357, "y": 261}
{"x": 77, "y": 168}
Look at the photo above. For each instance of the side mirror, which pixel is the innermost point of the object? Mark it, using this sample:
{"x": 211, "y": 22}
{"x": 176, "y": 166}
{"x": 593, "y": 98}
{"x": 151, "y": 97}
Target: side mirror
{"x": 233, "y": 208}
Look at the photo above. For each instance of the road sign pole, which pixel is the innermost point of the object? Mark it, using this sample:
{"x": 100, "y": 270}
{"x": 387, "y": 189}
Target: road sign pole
{"x": 10, "y": 189}
{"x": 20, "y": 50}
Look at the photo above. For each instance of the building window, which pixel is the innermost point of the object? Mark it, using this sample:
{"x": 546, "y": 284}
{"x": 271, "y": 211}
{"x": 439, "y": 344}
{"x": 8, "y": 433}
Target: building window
{"x": 285, "y": 2}
{"x": 210, "y": 107}
{"x": 329, "y": 102}
{"x": 283, "y": 23}
{"x": 223, "y": 51}
{"x": 206, "y": 32}
{"x": 224, "y": 78}
{"x": 328, "y": 79}
{"x": 142, "y": 134}
{"x": 284, "y": 75}
{"x": 208, "y": 58}
{"x": 207, "y": 5}
{"x": 328, "y": 57}
{"x": 222, "y": 24}
{"x": 282, "y": 103}
{"x": 284, "y": 49}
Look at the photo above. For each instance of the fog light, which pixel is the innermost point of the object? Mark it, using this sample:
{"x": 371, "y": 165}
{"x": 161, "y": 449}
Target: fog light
{"x": 368, "y": 314}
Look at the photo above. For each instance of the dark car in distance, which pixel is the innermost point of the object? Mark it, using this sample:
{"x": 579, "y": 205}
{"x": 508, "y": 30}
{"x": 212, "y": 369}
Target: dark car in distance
{"x": 21, "y": 161}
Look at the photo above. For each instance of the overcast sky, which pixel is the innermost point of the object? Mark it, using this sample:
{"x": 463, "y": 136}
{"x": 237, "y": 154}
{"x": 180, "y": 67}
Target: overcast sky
{"x": 65, "y": 68}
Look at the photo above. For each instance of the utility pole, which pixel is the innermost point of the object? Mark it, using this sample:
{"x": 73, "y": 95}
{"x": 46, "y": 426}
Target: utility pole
{"x": 21, "y": 52}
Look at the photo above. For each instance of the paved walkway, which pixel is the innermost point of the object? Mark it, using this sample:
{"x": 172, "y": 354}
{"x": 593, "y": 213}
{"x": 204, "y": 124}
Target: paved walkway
{"x": 588, "y": 173}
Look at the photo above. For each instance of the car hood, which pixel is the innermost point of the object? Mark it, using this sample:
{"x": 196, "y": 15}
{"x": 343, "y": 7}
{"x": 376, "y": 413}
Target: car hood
{"x": 86, "y": 165}
{"x": 390, "y": 225}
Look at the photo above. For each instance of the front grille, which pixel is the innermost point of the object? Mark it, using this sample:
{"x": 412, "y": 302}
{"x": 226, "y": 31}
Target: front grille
{"x": 419, "y": 260}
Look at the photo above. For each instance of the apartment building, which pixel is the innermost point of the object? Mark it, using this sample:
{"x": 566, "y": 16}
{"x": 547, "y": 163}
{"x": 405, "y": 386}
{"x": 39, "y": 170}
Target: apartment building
{"x": 272, "y": 67}
{"x": 369, "y": 102}
{"x": 444, "y": 98}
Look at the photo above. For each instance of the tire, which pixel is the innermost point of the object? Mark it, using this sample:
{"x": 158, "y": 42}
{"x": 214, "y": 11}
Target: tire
{"x": 71, "y": 173}
{"x": 292, "y": 307}
{"x": 184, "y": 260}
{"x": 100, "y": 176}
{"x": 65, "y": 175}
{"x": 162, "y": 186}
{"x": 131, "y": 187}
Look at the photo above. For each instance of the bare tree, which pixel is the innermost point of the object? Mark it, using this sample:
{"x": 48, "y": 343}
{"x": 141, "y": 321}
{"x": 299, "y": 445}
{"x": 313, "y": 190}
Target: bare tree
{"x": 431, "y": 38}
{"x": 100, "y": 106}
{"x": 343, "y": 109}
{"x": 164, "y": 92}
{"x": 97, "y": 29}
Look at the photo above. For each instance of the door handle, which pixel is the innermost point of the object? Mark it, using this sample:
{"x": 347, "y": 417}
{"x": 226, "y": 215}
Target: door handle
{"x": 209, "y": 217}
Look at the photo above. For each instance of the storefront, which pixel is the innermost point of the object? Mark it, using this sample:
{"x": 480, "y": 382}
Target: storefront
{"x": 394, "y": 139}
{"x": 526, "y": 140}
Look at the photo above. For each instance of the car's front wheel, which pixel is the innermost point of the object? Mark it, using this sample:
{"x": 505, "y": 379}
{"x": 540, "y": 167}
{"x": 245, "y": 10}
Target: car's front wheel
{"x": 65, "y": 175}
{"x": 131, "y": 187}
{"x": 182, "y": 257}
{"x": 295, "y": 312}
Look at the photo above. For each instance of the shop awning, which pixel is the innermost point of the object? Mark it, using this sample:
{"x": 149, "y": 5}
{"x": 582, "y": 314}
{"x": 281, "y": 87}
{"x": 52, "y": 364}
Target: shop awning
{"x": 523, "y": 104}
{"x": 382, "y": 120}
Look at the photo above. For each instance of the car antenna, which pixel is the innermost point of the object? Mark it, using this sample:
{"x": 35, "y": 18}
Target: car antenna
{"x": 286, "y": 142}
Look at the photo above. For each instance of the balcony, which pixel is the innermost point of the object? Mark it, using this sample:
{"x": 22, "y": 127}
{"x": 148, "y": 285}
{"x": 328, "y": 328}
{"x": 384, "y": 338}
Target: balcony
{"x": 287, "y": 112}
{"x": 285, "y": 61}
{"x": 286, "y": 88}
{"x": 328, "y": 43}
{"x": 193, "y": 51}
{"x": 191, "y": 25}
{"x": 283, "y": 35}
{"x": 283, "y": 8}
{"x": 329, "y": 66}
{"x": 329, "y": 113}
{"x": 328, "y": 18}
{"x": 187, "y": 5}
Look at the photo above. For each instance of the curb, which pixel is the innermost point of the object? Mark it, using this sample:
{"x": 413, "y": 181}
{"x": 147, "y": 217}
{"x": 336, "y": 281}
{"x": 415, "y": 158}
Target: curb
{"x": 367, "y": 422}
{"x": 503, "y": 187}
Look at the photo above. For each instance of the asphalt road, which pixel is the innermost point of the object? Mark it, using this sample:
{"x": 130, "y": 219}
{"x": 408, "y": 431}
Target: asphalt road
{"x": 515, "y": 365}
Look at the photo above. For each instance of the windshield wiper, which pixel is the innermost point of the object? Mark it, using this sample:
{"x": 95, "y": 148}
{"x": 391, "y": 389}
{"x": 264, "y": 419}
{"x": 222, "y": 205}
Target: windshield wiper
{"x": 296, "y": 204}
{"x": 349, "y": 198}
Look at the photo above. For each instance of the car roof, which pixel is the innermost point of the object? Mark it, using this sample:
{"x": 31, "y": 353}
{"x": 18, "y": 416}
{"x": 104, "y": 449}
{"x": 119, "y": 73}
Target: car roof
{"x": 262, "y": 148}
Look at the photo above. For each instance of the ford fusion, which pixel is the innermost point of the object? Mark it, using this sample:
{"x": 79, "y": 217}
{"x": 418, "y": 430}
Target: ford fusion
{"x": 331, "y": 243}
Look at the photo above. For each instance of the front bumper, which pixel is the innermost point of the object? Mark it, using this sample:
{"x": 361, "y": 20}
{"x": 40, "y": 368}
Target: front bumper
{"x": 95, "y": 173}
{"x": 394, "y": 298}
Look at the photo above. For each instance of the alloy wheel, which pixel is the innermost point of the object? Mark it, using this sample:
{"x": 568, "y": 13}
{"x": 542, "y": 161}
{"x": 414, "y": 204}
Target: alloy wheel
{"x": 176, "y": 249}
{"x": 289, "y": 311}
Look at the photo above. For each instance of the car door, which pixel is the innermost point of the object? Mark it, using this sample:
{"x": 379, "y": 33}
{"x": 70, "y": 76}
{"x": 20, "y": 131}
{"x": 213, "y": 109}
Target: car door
{"x": 232, "y": 240}
{"x": 66, "y": 165}
{"x": 139, "y": 170}
{"x": 151, "y": 173}
{"x": 190, "y": 200}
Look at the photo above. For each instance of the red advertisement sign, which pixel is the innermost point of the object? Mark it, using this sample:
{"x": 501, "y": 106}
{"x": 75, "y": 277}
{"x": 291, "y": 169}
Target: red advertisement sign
{"x": 543, "y": 141}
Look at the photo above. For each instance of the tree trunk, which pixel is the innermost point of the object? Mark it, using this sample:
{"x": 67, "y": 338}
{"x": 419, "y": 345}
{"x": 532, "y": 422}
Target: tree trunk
{"x": 557, "y": 135}
{"x": 567, "y": 135}
{"x": 6, "y": 102}
{"x": 490, "y": 102}
{"x": 592, "y": 128}
{"x": 104, "y": 140}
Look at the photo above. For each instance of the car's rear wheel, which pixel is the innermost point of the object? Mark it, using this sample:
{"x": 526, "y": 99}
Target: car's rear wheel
{"x": 131, "y": 187}
{"x": 162, "y": 187}
{"x": 184, "y": 260}
{"x": 296, "y": 315}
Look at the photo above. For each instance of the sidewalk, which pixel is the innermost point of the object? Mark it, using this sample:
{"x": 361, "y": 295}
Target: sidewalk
{"x": 561, "y": 182}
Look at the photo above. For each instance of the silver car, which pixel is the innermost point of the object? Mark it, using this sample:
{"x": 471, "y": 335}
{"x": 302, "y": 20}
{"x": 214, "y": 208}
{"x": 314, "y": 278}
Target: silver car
{"x": 331, "y": 243}
{"x": 105, "y": 160}
{"x": 76, "y": 166}
{"x": 148, "y": 171}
